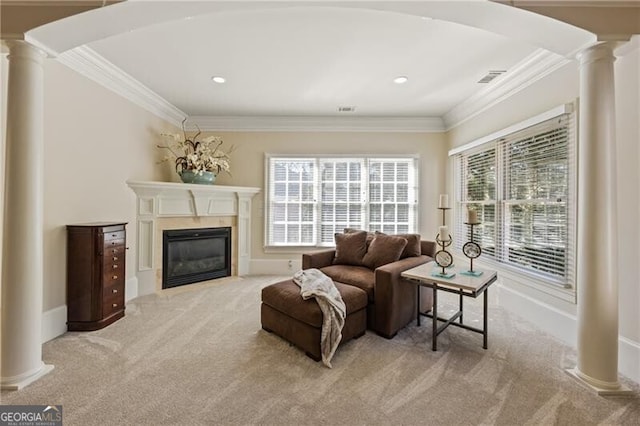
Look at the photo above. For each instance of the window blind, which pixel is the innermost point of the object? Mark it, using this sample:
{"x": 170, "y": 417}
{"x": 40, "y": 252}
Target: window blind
{"x": 342, "y": 190}
{"x": 292, "y": 198}
{"x": 310, "y": 199}
{"x": 523, "y": 187}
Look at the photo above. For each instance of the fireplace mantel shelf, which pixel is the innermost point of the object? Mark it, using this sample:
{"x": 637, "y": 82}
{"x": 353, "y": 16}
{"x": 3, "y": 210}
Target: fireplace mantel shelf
{"x": 150, "y": 188}
{"x": 170, "y": 199}
{"x": 157, "y": 200}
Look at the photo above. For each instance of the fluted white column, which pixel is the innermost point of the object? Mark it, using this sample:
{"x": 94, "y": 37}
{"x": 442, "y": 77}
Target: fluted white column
{"x": 22, "y": 254}
{"x": 597, "y": 225}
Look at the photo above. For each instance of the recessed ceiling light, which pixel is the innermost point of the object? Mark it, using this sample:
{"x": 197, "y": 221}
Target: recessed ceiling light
{"x": 218, "y": 80}
{"x": 400, "y": 80}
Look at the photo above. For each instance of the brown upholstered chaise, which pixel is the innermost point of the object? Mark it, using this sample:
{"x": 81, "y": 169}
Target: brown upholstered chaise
{"x": 285, "y": 313}
{"x": 391, "y": 301}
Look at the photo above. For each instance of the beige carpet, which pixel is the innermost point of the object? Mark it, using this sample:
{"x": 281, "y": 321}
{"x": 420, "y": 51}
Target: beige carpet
{"x": 199, "y": 356}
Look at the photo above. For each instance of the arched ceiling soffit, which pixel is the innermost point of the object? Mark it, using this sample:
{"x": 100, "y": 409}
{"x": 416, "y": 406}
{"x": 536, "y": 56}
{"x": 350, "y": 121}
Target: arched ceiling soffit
{"x": 128, "y": 16}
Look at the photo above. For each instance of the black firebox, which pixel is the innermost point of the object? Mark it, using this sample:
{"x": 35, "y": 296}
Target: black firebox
{"x": 193, "y": 255}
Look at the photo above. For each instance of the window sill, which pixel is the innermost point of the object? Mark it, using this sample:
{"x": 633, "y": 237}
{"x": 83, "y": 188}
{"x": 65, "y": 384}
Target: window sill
{"x": 294, "y": 249}
{"x": 531, "y": 280}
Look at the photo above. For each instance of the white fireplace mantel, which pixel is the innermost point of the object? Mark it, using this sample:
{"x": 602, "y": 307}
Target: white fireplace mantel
{"x": 168, "y": 199}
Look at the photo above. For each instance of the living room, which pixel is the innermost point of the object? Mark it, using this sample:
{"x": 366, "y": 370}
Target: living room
{"x": 96, "y": 139}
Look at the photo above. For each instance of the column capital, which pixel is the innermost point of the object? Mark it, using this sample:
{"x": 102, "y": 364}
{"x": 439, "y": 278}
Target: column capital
{"x": 599, "y": 51}
{"x": 23, "y": 49}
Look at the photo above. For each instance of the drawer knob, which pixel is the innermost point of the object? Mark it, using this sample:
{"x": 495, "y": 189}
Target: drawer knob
{"x": 115, "y": 258}
{"x": 115, "y": 290}
{"x": 113, "y": 243}
{"x": 115, "y": 305}
{"x": 115, "y": 266}
{"x": 115, "y": 277}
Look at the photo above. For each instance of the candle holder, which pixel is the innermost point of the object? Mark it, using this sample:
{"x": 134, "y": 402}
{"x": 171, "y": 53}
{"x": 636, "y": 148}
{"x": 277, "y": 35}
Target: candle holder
{"x": 443, "y": 258}
{"x": 472, "y": 250}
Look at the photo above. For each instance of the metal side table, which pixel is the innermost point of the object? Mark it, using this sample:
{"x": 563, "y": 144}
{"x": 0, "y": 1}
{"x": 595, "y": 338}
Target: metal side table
{"x": 463, "y": 285}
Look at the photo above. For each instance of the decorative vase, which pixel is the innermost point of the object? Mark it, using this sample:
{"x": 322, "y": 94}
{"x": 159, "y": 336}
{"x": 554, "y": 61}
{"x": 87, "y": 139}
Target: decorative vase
{"x": 206, "y": 178}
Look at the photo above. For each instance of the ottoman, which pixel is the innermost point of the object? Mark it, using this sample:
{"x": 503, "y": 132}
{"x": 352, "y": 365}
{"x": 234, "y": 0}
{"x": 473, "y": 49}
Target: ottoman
{"x": 298, "y": 321}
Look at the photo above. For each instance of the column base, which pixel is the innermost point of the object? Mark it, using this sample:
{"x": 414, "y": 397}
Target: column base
{"x": 17, "y": 383}
{"x": 601, "y": 388}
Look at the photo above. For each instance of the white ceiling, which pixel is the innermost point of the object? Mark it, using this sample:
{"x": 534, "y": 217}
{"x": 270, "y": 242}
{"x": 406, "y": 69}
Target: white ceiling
{"x": 310, "y": 61}
{"x": 309, "y": 58}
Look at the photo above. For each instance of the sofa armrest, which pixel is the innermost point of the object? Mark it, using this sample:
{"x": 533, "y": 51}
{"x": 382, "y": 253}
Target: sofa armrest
{"x": 395, "y": 297}
{"x": 428, "y": 248}
{"x": 394, "y": 269}
{"x": 318, "y": 259}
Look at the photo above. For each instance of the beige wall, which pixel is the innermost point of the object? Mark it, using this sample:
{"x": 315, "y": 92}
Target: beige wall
{"x": 249, "y": 156}
{"x": 560, "y": 87}
{"x": 94, "y": 141}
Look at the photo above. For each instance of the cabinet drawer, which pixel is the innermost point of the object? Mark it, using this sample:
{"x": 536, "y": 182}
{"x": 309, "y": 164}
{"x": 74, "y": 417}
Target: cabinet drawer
{"x": 110, "y": 258}
{"x": 110, "y": 278}
{"x": 112, "y": 290}
{"x": 113, "y": 243}
{"x": 109, "y": 265}
{"x": 112, "y": 304}
{"x": 115, "y": 251}
{"x": 115, "y": 235}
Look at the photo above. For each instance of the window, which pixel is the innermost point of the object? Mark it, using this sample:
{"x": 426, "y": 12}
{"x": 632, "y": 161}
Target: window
{"x": 522, "y": 185}
{"x": 311, "y": 198}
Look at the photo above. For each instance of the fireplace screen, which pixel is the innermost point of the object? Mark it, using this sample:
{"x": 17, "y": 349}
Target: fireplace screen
{"x": 193, "y": 255}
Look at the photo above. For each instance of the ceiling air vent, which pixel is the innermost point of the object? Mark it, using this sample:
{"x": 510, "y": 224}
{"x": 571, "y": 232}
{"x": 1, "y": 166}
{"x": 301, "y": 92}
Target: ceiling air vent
{"x": 491, "y": 75}
{"x": 346, "y": 109}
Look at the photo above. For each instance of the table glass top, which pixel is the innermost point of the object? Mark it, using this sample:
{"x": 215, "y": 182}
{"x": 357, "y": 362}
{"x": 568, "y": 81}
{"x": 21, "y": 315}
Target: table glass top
{"x": 424, "y": 273}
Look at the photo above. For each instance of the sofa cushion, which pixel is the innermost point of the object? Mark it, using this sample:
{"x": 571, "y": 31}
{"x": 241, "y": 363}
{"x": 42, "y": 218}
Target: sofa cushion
{"x": 383, "y": 249}
{"x": 412, "y": 249}
{"x": 370, "y": 235}
{"x": 350, "y": 248}
{"x": 357, "y": 276}
{"x": 285, "y": 297}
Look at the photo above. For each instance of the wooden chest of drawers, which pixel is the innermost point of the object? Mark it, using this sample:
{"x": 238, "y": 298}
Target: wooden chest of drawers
{"x": 95, "y": 274}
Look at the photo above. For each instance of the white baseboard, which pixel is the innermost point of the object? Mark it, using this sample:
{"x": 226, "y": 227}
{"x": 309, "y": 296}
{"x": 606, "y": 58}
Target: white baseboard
{"x": 629, "y": 358}
{"x": 546, "y": 317}
{"x": 275, "y": 266}
{"x": 146, "y": 282}
{"x": 54, "y": 323}
{"x": 131, "y": 289}
{"x": 564, "y": 326}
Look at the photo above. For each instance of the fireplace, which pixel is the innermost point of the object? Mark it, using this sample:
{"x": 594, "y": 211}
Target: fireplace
{"x": 193, "y": 255}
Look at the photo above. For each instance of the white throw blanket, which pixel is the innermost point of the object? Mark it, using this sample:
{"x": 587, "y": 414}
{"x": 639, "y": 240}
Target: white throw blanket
{"x": 313, "y": 283}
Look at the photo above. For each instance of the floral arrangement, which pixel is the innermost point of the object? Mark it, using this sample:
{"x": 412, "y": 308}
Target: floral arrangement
{"x": 194, "y": 155}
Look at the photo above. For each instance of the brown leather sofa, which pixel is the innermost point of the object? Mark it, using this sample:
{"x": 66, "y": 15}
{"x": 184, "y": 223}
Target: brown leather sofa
{"x": 391, "y": 299}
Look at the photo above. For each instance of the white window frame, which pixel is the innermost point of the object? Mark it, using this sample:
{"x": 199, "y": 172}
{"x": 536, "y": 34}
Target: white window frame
{"x": 365, "y": 160}
{"x": 563, "y": 288}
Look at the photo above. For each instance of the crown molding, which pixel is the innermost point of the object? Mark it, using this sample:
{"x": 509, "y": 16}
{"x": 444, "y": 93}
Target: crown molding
{"x": 94, "y": 66}
{"x": 316, "y": 124}
{"x": 531, "y": 69}
{"x": 90, "y": 64}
